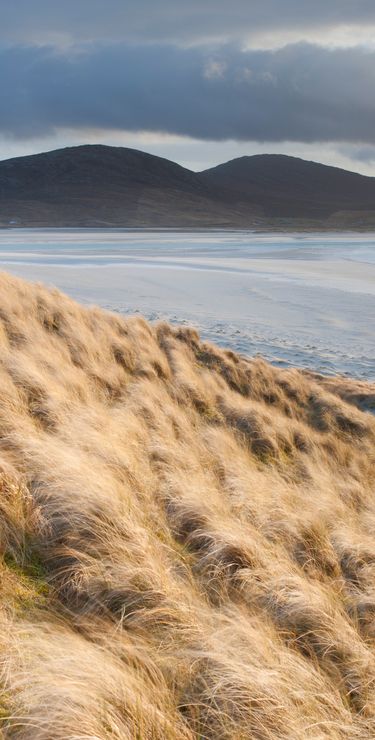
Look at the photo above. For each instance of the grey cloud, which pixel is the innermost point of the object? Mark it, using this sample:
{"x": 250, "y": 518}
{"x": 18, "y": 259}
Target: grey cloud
{"x": 364, "y": 153}
{"x": 301, "y": 92}
{"x": 173, "y": 20}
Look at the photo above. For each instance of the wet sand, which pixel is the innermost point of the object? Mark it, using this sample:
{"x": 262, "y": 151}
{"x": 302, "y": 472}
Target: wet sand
{"x": 297, "y": 300}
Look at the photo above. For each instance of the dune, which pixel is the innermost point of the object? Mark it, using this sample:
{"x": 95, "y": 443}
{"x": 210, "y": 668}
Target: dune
{"x": 186, "y": 535}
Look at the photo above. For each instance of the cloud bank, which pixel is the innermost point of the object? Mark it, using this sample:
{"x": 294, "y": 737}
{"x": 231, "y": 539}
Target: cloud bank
{"x": 174, "y": 20}
{"x": 301, "y": 92}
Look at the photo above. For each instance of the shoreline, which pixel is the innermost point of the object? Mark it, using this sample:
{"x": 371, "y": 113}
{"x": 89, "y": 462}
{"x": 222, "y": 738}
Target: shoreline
{"x": 300, "y": 299}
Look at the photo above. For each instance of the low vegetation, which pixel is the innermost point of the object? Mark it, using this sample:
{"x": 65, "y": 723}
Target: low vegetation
{"x": 186, "y": 536}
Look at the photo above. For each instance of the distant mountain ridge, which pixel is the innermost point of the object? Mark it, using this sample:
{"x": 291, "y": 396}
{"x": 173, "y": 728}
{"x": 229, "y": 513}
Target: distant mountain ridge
{"x": 102, "y": 186}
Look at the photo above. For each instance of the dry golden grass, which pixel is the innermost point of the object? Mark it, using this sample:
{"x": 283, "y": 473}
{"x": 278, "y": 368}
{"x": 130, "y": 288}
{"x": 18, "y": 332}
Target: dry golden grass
{"x": 186, "y": 536}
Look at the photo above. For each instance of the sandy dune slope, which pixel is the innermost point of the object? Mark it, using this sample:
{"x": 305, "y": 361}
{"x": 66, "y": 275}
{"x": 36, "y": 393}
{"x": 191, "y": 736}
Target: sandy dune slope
{"x": 186, "y": 536}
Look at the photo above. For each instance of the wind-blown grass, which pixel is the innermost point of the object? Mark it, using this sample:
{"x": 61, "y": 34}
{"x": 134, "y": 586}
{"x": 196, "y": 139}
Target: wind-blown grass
{"x": 186, "y": 536}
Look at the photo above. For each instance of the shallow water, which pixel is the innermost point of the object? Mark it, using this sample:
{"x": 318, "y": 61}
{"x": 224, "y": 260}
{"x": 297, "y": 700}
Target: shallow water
{"x": 306, "y": 300}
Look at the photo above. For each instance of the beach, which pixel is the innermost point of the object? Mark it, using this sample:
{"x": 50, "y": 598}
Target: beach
{"x": 298, "y": 300}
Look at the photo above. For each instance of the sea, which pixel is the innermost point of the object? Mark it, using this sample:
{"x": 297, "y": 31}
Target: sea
{"x": 305, "y": 300}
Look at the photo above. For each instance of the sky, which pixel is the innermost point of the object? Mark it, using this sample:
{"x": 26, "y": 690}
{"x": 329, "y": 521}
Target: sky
{"x": 198, "y": 82}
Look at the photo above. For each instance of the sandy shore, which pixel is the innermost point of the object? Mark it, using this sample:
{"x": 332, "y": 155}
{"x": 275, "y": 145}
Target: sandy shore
{"x": 307, "y": 301}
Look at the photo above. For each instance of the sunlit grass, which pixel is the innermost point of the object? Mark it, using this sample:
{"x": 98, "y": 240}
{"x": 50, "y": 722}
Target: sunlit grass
{"x": 186, "y": 536}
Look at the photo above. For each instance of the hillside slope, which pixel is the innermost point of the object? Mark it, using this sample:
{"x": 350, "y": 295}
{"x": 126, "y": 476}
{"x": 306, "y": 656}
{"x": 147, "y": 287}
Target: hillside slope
{"x": 186, "y": 535}
{"x": 103, "y": 186}
{"x": 283, "y": 186}
{"x": 106, "y": 186}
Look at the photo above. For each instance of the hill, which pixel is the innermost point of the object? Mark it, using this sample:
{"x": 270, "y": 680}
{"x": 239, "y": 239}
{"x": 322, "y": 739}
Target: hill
{"x": 106, "y": 186}
{"x": 101, "y": 186}
{"x": 186, "y": 535}
{"x": 290, "y": 187}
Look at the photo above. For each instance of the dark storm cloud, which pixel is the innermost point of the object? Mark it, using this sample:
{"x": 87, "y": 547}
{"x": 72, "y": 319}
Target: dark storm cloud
{"x": 301, "y": 92}
{"x": 173, "y": 19}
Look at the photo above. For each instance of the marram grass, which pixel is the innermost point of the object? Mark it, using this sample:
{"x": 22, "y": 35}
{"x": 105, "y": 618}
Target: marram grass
{"x": 186, "y": 536}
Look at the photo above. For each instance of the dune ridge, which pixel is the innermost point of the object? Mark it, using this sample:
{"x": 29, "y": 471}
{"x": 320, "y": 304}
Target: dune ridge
{"x": 186, "y": 535}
